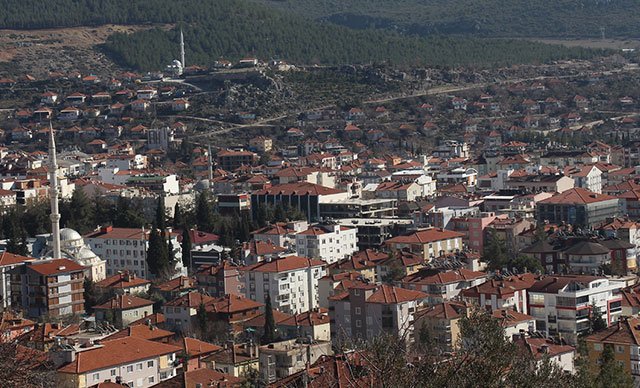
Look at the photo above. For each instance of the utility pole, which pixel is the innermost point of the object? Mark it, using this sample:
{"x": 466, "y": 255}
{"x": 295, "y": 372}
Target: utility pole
{"x": 602, "y": 32}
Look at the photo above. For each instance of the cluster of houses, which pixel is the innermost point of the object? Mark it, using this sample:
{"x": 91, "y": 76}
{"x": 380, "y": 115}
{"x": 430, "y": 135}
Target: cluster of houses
{"x": 389, "y": 236}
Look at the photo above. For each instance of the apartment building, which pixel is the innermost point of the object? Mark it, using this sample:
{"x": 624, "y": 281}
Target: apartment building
{"x": 578, "y": 207}
{"x": 329, "y": 242}
{"x": 124, "y": 283}
{"x": 133, "y": 361}
{"x": 125, "y": 249}
{"x": 8, "y": 263}
{"x": 121, "y": 310}
{"x": 624, "y": 338}
{"x": 442, "y": 286}
{"x": 507, "y": 293}
{"x": 428, "y": 243}
{"x": 281, "y": 359}
{"x": 221, "y": 279}
{"x": 291, "y": 282}
{"x": 562, "y": 305}
{"x": 441, "y": 322}
{"x": 48, "y": 287}
{"x": 366, "y": 311}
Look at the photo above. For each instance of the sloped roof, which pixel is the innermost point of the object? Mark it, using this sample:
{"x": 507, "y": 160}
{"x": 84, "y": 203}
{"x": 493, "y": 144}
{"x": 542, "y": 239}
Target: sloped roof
{"x": 117, "y": 352}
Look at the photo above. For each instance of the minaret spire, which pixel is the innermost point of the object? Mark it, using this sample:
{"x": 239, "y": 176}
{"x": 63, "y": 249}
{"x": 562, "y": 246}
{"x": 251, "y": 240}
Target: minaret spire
{"x": 53, "y": 195}
{"x": 184, "y": 65}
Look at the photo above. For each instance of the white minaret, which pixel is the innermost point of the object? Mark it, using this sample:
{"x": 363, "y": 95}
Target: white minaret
{"x": 182, "y": 49}
{"x": 53, "y": 195}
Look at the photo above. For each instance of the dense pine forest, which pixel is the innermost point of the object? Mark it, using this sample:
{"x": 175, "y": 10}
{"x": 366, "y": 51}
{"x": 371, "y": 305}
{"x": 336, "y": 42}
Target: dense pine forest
{"x": 238, "y": 28}
{"x": 495, "y": 18}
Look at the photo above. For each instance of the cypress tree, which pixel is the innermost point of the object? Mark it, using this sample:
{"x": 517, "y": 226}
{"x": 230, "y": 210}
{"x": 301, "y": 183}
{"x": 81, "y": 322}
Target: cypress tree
{"x": 269, "y": 335}
{"x": 186, "y": 248}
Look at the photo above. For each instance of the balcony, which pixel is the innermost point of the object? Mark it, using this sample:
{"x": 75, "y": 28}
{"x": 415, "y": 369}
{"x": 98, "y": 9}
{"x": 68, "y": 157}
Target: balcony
{"x": 552, "y": 319}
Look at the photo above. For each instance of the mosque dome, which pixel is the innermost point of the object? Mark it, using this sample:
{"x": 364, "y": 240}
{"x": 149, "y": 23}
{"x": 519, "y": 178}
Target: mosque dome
{"x": 67, "y": 234}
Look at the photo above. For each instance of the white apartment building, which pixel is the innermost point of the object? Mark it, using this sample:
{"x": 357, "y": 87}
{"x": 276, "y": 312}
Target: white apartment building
{"x": 125, "y": 249}
{"x": 330, "y": 243}
{"x": 291, "y": 282}
{"x": 137, "y": 362}
{"x": 561, "y": 305}
{"x": 154, "y": 182}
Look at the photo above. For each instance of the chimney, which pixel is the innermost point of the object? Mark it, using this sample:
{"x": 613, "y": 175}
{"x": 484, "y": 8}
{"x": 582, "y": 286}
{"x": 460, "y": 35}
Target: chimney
{"x": 544, "y": 349}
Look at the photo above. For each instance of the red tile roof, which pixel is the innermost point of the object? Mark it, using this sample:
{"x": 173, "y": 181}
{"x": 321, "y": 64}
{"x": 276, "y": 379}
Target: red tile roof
{"x": 117, "y": 352}
{"x": 7, "y": 258}
{"x": 284, "y": 264}
{"x": 386, "y": 294}
{"x": 298, "y": 188}
{"x": 124, "y": 302}
{"x": 425, "y": 236}
{"x": 576, "y": 196}
{"x": 55, "y": 267}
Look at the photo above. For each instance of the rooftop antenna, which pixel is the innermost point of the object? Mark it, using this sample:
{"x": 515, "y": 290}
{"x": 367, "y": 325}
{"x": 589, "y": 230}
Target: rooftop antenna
{"x": 182, "y": 49}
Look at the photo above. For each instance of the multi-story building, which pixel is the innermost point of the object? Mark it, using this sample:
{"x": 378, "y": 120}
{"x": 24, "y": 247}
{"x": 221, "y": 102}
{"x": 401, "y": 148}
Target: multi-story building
{"x": 624, "y": 339}
{"x": 365, "y": 311}
{"x": 440, "y": 323}
{"x": 303, "y": 196}
{"x": 579, "y": 207}
{"x": 540, "y": 183}
{"x": 443, "y": 286}
{"x": 473, "y": 228}
{"x": 54, "y": 288}
{"x": 125, "y": 249}
{"x": 133, "y": 361}
{"x": 507, "y": 293}
{"x": 562, "y": 305}
{"x": 371, "y": 233}
{"x": 121, "y": 310}
{"x": 291, "y": 282}
{"x": 231, "y": 160}
{"x": 281, "y": 359}
{"x": 428, "y": 243}
{"x": 221, "y": 279}
{"x": 282, "y": 234}
{"x": 328, "y": 242}
{"x": 8, "y": 263}
{"x": 124, "y": 283}
{"x": 180, "y": 312}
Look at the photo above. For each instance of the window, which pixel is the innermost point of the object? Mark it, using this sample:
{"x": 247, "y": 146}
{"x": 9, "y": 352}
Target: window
{"x": 358, "y": 323}
{"x": 150, "y": 364}
{"x": 619, "y": 349}
{"x": 129, "y": 368}
{"x": 358, "y": 311}
{"x": 152, "y": 380}
{"x": 113, "y": 372}
{"x": 96, "y": 376}
{"x": 597, "y": 347}
{"x": 163, "y": 375}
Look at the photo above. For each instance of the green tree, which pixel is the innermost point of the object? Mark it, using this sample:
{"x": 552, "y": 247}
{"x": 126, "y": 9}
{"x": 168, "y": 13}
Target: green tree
{"x": 157, "y": 253}
{"x": 186, "y": 248}
{"x": 612, "y": 374}
{"x": 15, "y": 234}
{"x": 596, "y": 321}
{"x": 81, "y": 209}
{"x": 525, "y": 264}
{"x": 495, "y": 251}
{"x": 161, "y": 215}
{"x": 204, "y": 212}
{"x": 92, "y": 295}
{"x": 269, "y": 335}
{"x": 201, "y": 317}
